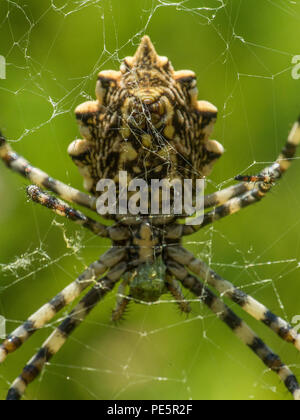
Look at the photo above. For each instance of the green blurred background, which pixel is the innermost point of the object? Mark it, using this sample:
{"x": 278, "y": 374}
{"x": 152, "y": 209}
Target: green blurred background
{"x": 242, "y": 53}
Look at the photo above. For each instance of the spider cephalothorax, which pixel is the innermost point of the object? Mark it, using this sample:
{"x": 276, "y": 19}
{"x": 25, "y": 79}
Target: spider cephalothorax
{"x": 147, "y": 121}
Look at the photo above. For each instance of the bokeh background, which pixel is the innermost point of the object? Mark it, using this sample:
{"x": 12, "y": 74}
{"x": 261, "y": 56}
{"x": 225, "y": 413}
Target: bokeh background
{"x": 242, "y": 52}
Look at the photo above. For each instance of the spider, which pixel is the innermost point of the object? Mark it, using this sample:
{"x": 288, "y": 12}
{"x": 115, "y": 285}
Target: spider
{"x": 148, "y": 121}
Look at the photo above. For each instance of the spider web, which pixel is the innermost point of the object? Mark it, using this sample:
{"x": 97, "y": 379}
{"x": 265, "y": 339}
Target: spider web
{"x": 242, "y": 52}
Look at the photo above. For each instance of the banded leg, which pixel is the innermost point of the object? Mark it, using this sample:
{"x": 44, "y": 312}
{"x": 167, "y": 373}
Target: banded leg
{"x": 231, "y": 207}
{"x": 235, "y": 198}
{"x": 212, "y": 151}
{"x": 58, "y": 338}
{"x": 62, "y": 209}
{"x": 222, "y": 196}
{"x": 238, "y": 326}
{"x": 250, "y": 305}
{"x": 117, "y": 233}
{"x": 37, "y": 176}
{"x": 47, "y": 312}
{"x": 284, "y": 160}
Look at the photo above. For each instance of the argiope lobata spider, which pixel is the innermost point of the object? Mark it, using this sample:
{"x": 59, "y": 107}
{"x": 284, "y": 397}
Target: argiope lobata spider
{"x": 148, "y": 121}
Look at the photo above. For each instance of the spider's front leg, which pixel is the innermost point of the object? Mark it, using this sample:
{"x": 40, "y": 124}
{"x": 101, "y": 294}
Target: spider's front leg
{"x": 250, "y": 305}
{"x": 47, "y": 312}
{"x": 20, "y": 165}
{"x": 238, "y": 326}
{"x": 58, "y": 338}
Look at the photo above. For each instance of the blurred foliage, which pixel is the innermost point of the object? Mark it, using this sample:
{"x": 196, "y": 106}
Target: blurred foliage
{"x": 242, "y": 53}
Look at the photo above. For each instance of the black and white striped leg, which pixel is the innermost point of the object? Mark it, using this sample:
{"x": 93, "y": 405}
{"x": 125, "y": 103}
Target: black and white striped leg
{"x": 47, "y": 312}
{"x": 58, "y": 338}
{"x": 238, "y": 326}
{"x": 256, "y": 309}
{"x": 222, "y": 196}
{"x": 116, "y": 233}
{"x": 250, "y": 196}
{"x": 284, "y": 160}
{"x": 38, "y": 177}
{"x": 231, "y": 207}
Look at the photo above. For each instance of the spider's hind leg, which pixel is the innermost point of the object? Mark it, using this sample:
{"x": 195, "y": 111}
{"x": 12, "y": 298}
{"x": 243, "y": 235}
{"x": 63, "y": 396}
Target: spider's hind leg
{"x": 38, "y": 177}
{"x": 238, "y": 327}
{"x": 62, "y": 209}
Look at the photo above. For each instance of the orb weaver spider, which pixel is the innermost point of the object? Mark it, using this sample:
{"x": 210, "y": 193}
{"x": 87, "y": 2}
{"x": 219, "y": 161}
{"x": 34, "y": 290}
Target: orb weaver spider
{"x": 148, "y": 121}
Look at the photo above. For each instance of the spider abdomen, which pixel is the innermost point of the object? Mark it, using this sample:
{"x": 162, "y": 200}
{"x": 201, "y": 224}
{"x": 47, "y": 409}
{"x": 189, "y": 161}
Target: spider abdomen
{"x": 147, "y": 120}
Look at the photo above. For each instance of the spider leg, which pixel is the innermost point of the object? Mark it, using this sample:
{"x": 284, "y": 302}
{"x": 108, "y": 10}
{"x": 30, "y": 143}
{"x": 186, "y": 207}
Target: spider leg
{"x": 250, "y": 305}
{"x": 62, "y": 209}
{"x": 233, "y": 199}
{"x": 58, "y": 338}
{"x": 239, "y": 196}
{"x": 238, "y": 326}
{"x": 230, "y": 207}
{"x": 237, "y": 203}
{"x": 284, "y": 160}
{"x": 175, "y": 290}
{"x": 37, "y": 176}
{"x": 222, "y": 196}
{"x": 47, "y": 312}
